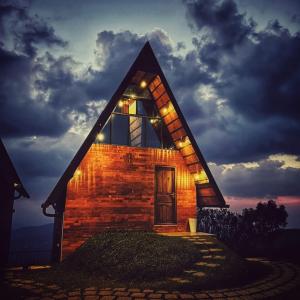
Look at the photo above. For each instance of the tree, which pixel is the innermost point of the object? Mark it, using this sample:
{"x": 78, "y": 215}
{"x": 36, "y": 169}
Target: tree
{"x": 267, "y": 217}
{"x": 248, "y": 231}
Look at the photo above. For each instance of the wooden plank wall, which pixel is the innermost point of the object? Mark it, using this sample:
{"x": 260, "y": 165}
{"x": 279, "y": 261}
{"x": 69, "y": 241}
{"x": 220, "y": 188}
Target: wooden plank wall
{"x": 114, "y": 187}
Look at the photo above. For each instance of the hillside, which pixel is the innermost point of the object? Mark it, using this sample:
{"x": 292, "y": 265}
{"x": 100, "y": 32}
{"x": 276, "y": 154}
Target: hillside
{"x": 31, "y": 245}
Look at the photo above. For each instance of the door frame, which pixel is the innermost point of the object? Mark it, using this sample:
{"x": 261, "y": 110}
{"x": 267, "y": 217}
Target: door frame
{"x": 157, "y": 167}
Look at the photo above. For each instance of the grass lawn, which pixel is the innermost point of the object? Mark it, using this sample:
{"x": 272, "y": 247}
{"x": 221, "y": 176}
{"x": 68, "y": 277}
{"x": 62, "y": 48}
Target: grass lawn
{"x": 148, "y": 260}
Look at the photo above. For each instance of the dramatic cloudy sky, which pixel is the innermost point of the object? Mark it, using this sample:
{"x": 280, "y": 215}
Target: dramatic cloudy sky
{"x": 234, "y": 67}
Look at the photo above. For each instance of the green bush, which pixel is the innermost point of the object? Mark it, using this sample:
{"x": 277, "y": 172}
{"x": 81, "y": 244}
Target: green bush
{"x": 132, "y": 255}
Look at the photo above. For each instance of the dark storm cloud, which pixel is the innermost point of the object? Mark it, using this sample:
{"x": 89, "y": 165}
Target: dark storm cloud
{"x": 222, "y": 19}
{"x": 258, "y": 75}
{"x": 113, "y": 61}
{"x": 26, "y": 31}
{"x": 266, "y": 81}
{"x": 295, "y": 18}
{"x": 20, "y": 115}
{"x": 56, "y": 76}
{"x": 268, "y": 179}
{"x": 31, "y": 82}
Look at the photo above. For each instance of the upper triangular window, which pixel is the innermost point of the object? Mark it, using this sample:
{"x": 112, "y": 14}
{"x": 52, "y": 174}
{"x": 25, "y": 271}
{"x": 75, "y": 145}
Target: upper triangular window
{"x": 136, "y": 121}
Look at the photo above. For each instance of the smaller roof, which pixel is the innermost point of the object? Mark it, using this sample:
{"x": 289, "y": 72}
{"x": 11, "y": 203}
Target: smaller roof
{"x": 8, "y": 172}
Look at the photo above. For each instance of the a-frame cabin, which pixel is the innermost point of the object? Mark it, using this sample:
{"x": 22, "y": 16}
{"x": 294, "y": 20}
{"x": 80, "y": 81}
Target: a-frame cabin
{"x": 139, "y": 167}
{"x": 11, "y": 188}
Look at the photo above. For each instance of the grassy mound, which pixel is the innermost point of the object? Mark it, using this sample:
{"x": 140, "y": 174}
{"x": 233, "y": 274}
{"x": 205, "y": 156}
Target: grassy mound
{"x": 145, "y": 260}
{"x": 132, "y": 255}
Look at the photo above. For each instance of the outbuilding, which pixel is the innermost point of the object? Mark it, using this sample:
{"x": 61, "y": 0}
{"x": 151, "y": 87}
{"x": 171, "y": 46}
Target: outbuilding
{"x": 11, "y": 188}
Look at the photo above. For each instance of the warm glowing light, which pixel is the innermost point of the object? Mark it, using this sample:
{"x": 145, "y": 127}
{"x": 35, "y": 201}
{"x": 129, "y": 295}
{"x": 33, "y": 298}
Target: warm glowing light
{"x": 182, "y": 141}
{"x": 133, "y": 96}
{"x": 201, "y": 177}
{"x": 165, "y": 109}
{"x": 152, "y": 121}
{"x": 143, "y": 84}
{"x": 78, "y": 173}
{"x": 120, "y": 104}
{"x": 100, "y": 137}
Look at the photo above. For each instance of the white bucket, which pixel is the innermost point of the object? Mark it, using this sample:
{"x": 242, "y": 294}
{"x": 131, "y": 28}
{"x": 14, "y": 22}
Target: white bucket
{"x": 193, "y": 225}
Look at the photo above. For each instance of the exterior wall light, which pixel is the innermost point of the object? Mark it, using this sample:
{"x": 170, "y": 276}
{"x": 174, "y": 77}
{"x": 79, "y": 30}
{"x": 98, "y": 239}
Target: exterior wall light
{"x": 100, "y": 137}
{"x": 201, "y": 177}
{"x": 143, "y": 84}
{"x": 182, "y": 141}
{"x": 78, "y": 173}
{"x": 165, "y": 109}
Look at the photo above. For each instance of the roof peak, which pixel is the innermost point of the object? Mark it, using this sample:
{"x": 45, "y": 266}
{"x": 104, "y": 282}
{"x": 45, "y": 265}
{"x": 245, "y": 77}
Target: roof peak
{"x": 147, "y": 59}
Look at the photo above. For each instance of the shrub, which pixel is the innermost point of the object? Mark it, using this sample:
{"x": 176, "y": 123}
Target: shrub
{"x": 240, "y": 231}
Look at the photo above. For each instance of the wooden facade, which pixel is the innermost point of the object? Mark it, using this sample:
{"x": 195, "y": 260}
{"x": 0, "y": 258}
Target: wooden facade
{"x": 133, "y": 185}
{"x": 116, "y": 188}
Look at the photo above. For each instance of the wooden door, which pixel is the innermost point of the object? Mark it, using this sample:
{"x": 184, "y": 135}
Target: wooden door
{"x": 165, "y": 206}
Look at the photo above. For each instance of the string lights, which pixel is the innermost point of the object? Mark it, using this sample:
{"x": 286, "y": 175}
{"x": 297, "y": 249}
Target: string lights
{"x": 182, "y": 141}
{"x": 143, "y": 84}
{"x": 100, "y": 137}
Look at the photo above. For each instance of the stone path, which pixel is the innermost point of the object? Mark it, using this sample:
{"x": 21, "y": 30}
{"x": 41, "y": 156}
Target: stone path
{"x": 283, "y": 278}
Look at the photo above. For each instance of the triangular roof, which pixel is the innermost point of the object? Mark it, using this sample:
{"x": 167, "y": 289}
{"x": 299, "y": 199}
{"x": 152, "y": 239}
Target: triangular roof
{"x": 8, "y": 172}
{"x": 145, "y": 66}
